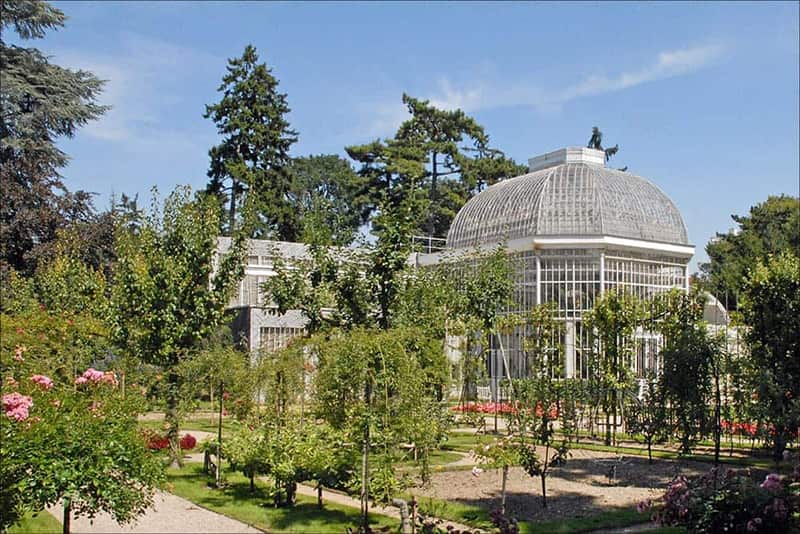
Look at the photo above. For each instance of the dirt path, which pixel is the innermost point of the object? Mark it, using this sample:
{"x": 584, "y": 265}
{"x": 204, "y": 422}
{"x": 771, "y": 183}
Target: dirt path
{"x": 580, "y": 488}
{"x": 169, "y": 514}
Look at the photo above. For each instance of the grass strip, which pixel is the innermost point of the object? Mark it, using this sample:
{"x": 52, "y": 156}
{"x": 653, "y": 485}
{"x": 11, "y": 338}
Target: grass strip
{"x": 41, "y": 523}
{"x": 478, "y": 517}
{"x": 237, "y": 502}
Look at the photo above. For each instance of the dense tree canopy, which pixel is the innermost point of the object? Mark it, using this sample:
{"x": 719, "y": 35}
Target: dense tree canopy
{"x": 327, "y": 193}
{"x": 41, "y": 102}
{"x": 770, "y": 308}
{"x": 771, "y": 227}
{"x": 253, "y": 156}
{"x": 425, "y": 158}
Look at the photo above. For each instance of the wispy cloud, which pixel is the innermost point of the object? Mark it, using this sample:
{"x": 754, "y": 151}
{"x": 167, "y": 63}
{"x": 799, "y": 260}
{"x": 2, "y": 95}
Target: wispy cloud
{"x": 145, "y": 76}
{"x": 492, "y": 94}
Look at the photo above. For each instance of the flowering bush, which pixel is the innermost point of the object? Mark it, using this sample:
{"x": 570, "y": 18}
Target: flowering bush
{"x": 80, "y": 445}
{"x": 16, "y": 406}
{"x": 157, "y": 442}
{"x": 729, "y": 501}
{"x": 188, "y": 442}
{"x": 485, "y": 407}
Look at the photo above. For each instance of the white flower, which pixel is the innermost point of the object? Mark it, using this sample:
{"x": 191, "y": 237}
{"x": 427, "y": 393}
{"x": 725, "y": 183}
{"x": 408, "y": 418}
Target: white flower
{"x": 476, "y": 471}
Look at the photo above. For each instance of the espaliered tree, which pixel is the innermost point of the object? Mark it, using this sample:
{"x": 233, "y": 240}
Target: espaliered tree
{"x": 647, "y": 416}
{"x": 42, "y": 102}
{"x": 771, "y": 311}
{"x": 687, "y": 355}
{"x": 539, "y": 397}
{"x": 611, "y": 324}
{"x": 252, "y": 160}
{"x": 170, "y": 289}
{"x": 486, "y": 290}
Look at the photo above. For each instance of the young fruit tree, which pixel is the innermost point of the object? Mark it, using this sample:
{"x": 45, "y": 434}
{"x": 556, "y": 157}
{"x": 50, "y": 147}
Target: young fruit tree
{"x": 539, "y": 396}
{"x": 170, "y": 289}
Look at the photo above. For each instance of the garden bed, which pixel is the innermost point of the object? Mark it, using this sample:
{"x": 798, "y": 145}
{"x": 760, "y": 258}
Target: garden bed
{"x": 578, "y": 489}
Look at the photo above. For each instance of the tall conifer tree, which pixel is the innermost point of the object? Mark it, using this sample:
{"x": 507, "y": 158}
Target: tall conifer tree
{"x": 253, "y": 157}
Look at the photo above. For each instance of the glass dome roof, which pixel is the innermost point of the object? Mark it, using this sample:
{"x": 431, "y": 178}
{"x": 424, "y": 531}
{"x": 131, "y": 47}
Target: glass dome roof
{"x": 573, "y": 197}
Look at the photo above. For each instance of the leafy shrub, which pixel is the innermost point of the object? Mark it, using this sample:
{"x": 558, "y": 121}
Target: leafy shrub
{"x": 730, "y": 501}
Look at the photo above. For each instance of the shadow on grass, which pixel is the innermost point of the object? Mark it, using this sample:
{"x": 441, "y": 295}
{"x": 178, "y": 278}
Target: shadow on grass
{"x": 255, "y": 508}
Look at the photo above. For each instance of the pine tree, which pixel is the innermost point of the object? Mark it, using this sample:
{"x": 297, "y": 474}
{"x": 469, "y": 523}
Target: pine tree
{"x": 253, "y": 157}
{"x": 41, "y": 102}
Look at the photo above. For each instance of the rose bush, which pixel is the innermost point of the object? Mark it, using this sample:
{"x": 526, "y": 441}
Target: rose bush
{"x": 71, "y": 439}
{"x": 729, "y": 501}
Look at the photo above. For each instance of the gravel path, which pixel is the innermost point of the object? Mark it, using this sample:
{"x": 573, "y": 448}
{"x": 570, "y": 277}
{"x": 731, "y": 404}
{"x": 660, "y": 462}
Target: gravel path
{"x": 580, "y": 488}
{"x": 169, "y": 514}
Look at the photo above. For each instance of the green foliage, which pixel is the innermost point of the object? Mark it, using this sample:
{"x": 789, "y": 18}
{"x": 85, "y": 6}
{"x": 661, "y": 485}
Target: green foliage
{"x": 281, "y": 378}
{"x": 770, "y": 310}
{"x": 611, "y": 324}
{"x": 370, "y": 385}
{"x": 539, "y": 399}
{"x": 78, "y": 442}
{"x": 290, "y": 452}
{"x": 54, "y": 343}
{"x": 327, "y": 195}
{"x": 254, "y": 153}
{"x": 452, "y": 176}
{"x": 171, "y": 287}
{"x": 41, "y": 103}
{"x": 731, "y": 501}
{"x": 648, "y": 416}
{"x": 771, "y": 227}
{"x": 687, "y": 355}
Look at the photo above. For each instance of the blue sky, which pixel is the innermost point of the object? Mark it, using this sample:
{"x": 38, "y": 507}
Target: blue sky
{"x": 701, "y": 97}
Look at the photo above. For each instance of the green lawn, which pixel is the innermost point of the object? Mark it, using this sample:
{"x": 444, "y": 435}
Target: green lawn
{"x": 237, "y": 502}
{"x": 43, "y": 522}
{"x": 478, "y": 517}
{"x": 464, "y": 442}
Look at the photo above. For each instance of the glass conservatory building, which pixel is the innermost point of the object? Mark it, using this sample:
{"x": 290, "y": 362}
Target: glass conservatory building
{"x": 575, "y": 229}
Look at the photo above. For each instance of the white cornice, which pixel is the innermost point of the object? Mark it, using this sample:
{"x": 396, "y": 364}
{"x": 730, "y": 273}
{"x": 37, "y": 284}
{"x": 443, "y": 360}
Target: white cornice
{"x": 557, "y": 242}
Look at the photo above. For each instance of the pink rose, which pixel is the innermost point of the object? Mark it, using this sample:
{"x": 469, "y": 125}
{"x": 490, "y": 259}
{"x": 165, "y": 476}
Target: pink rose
{"x": 93, "y": 375}
{"x": 16, "y": 406}
{"x": 81, "y": 380}
{"x": 772, "y": 482}
{"x": 43, "y": 381}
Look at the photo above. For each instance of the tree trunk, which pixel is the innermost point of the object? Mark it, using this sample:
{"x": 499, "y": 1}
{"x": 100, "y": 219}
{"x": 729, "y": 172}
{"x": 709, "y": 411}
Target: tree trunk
{"x": 544, "y": 489}
{"x": 319, "y": 495}
{"x": 717, "y": 412}
{"x": 173, "y": 431}
{"x": 67, "y": 515}
{"x": 365, "y": 465}
{"x": 503, "y": 491}
{"x": 650, "y": 451}
{"x": 218, "y": 480}
{"x": 232, "y": 208}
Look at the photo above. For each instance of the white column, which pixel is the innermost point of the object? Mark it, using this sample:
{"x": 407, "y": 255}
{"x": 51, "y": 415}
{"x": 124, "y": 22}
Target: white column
{"x": 686, "y": 277}
{"x": 569, "y": 345}
{"x": 538, "y": 280}
{"x": 602, "y": 273}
